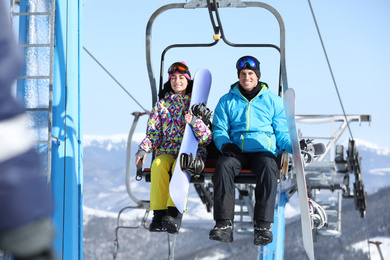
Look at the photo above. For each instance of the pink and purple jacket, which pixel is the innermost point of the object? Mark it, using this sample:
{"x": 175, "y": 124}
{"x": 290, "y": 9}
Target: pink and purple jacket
{"x": 166, "y": 127}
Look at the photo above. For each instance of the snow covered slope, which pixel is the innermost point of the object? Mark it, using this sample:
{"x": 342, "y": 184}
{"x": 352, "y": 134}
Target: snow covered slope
{"x": 105, "y": 194}
{"x": 104, "y": 174}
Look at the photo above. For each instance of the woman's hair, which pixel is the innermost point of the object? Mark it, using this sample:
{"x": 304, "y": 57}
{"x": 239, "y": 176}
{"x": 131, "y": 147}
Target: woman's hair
{"x": 168, "y": 88}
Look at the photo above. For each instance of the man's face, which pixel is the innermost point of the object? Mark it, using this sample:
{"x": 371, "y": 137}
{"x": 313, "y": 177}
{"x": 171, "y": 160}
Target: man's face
{"x": 248, "y": 79}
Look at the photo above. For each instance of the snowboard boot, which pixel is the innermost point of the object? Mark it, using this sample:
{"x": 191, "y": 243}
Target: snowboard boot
{"x": 223, "y": 231}
{"x": 262, "y": 233}
{"x": 156, "y": 225}
{"x": 172, "y": 220}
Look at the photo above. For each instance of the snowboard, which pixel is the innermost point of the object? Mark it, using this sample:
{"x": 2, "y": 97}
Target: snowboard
{"x": 289, "y": 106}
{"x": 180, "y": 181}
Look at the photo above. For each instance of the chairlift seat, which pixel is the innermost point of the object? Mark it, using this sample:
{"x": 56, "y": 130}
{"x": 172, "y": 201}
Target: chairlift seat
{"x": 245, "y": 176}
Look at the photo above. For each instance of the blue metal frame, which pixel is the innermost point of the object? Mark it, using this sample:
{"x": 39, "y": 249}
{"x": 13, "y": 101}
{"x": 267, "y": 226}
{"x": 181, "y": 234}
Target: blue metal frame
{"x": 67, "y": 152}
{"x": 67, "y": 173}
{"x": 22, "y": 39}
{"x": 275, "y": 250}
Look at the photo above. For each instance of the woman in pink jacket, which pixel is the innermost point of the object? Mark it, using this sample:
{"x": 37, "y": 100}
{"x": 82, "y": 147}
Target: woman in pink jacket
{"x": 164, "y": 135}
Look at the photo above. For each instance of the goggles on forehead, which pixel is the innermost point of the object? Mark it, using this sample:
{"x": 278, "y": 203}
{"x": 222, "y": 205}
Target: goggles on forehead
{"x": 179, "y": 67}
{"x": 252, "y": 62}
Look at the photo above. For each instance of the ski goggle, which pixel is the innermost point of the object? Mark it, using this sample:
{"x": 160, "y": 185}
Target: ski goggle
{"x": 179, "y": 67}
{"x": 246, "y": 61}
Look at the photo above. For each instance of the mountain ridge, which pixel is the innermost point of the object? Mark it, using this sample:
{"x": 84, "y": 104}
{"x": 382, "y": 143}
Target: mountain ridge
{"x": 105, "y": 195}
{"x": 105, "y": 171}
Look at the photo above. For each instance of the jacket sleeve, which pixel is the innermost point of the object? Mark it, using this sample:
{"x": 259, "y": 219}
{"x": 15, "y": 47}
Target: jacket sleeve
{"x": 221, "y": 124}
{"x": 11, "y": 62}
{"x": 202, "y": 132}
{"x": 153, "y": 131}
{"x": 279, "y": 123}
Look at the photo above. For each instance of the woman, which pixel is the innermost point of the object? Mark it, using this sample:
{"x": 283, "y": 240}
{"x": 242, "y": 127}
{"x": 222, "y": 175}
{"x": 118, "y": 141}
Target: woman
{"x": 164, "y": 135}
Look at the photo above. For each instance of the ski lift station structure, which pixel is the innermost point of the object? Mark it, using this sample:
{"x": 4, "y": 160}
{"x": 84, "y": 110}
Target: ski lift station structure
{"x": 50, "y": 90}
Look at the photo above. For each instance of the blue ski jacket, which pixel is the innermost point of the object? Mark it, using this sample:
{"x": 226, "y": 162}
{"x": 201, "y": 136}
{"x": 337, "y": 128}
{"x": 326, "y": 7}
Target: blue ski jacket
{"x": 258, "y": 125}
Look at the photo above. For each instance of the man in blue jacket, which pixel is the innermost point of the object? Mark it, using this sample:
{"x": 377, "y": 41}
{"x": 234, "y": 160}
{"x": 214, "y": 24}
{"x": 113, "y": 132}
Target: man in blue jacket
{"x": 25, "y": 229}
{"x": 250, "y": 129}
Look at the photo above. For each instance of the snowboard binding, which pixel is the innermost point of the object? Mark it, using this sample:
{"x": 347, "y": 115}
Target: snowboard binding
{"x": 311, "y": 150}
{"x": 193, "y": 167}
{"x": 202, "y": 112}
{"x": 318, "y": 216}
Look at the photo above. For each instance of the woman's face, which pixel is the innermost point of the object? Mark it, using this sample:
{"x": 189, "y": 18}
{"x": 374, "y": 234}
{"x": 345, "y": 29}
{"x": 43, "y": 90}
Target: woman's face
{"x": 179, "y": 83}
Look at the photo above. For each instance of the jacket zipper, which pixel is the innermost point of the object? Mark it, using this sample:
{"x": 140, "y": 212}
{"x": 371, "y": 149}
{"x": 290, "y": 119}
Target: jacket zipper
{"x": 247, "y": 128}
{"x": 269, "y": 141}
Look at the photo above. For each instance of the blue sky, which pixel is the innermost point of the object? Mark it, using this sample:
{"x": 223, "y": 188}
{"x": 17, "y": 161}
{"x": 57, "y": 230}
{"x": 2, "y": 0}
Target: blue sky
{"x": 356, "y": 35}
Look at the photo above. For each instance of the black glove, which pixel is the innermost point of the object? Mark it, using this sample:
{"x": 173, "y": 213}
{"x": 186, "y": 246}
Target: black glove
{"x": 230, "y": 149}
{"x": 202, "y": 112}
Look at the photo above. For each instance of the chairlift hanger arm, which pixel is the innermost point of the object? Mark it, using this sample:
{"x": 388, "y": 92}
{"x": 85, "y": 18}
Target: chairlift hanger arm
{"x": 213, "y": 7}
{"x": 283, "y": 85}
{"x": 148, "y": 40}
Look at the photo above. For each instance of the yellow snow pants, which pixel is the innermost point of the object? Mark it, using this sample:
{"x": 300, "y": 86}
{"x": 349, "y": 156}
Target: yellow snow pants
{"x": 160, "y": 171}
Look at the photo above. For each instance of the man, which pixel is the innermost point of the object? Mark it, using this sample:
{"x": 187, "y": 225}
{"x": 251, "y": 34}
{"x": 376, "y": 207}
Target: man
{"x": 250, "y": 129}
{"x": 25, "y": 228}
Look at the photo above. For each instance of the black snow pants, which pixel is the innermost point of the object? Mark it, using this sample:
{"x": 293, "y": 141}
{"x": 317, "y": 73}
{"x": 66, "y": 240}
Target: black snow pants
{"x": 265, "y": 168}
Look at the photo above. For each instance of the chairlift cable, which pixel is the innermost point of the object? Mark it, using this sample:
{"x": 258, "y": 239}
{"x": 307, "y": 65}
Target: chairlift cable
{"x": 114, "y": 79}
{"x": 330, "y": 69}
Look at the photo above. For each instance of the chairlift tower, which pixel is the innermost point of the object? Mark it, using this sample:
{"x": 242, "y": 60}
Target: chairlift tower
{"x": 50, "y": 90}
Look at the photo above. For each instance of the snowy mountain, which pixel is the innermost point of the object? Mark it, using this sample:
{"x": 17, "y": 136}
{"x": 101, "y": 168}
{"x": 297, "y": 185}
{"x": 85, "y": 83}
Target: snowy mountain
{"x": 105, "y": 170}
{"x": 193, "y": 243}
{"x": 105, "y": 195}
